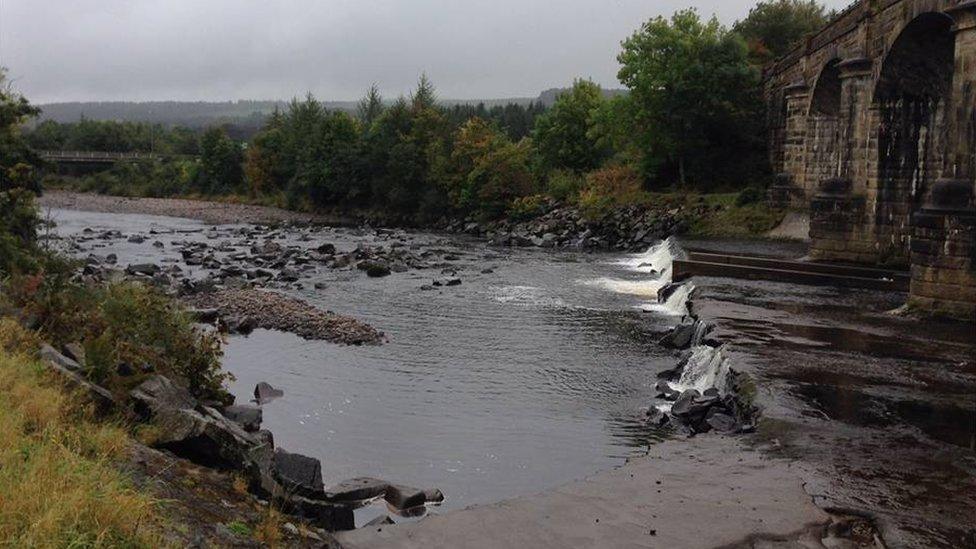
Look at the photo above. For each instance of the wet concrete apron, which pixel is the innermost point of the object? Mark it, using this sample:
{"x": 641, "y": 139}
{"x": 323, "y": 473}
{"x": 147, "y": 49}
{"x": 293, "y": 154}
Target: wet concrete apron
{"x": 877, "y": 412}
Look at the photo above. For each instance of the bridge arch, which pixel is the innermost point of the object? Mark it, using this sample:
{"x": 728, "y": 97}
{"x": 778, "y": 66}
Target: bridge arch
{"x": 911, "y": 99}
{"x": 824, "y": 126}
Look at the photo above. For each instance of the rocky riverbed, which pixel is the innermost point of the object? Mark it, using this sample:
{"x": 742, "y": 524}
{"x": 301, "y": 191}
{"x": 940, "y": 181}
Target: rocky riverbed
{"x": 508, "y": 371}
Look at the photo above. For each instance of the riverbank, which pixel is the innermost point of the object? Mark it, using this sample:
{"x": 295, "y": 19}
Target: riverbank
{"x": 701, "y": 492}
{"x": 208, "y": 211}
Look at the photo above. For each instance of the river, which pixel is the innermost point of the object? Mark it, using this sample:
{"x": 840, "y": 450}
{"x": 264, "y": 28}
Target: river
{"x": 529, "y": 374}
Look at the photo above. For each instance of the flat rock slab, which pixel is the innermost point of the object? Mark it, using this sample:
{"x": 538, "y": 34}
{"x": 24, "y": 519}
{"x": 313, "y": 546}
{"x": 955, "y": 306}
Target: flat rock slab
{"x": 704, "y": 492}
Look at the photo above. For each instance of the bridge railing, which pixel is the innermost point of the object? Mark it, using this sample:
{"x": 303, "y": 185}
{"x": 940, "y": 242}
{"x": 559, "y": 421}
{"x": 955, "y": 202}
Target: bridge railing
{"x": 103, "y": 156}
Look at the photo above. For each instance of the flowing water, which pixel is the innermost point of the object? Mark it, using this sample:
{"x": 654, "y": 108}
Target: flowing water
{"x": 518, "y": 380}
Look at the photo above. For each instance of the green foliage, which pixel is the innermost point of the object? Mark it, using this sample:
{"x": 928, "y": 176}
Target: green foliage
{"x": 564, "y": 185}
{"x": 370, "y": 107}
{"x": 18, "y": 231}
{"x": 774, "y": 27}
{"x": 16, "y": 157}
{"x": 608, "y": 188}
{"x": 749, "y": 195}
{"x": 120, "y": 324}
{"x": 528, "y": 207}
{"x": 487, "y": 171}
{"x": 113, "y": 136}
{"x": 564, "y": 136}
{"x": 695, "y": 101}
{"x": 220, "y": 163}
{"x": 730, "y": 216}
{"x": 515, "y": 120}
{"x": 239, "y": 528}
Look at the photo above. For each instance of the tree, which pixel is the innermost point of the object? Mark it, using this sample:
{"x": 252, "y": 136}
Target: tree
{"x": 18, "y": 214}
{"x": 563, "y": 136}
{"x": 425, "y": 96}
{"x": 695, "y": 97}
{"x": 487, "y": 170}
{"x": 220, "y": 162}
{"x": 774, "y": 27}
{"x": 370, "y": 107}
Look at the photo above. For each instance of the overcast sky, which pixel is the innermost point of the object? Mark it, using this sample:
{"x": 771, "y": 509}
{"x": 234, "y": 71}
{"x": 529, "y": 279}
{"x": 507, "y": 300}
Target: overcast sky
{"x": 84, "y": 50}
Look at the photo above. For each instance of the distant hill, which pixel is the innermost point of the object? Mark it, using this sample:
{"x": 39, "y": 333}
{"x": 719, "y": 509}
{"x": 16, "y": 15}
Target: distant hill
{"x": 243, "y": 113}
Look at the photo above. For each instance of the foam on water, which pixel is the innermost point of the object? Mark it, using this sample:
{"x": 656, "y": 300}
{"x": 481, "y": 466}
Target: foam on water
{"x": 706, "y": 368}
{"x": 656, "y": 262}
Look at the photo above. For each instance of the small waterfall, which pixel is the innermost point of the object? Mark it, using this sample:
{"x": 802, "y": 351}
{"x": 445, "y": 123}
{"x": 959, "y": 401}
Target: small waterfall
{"x": 701, "y": 329}
{"x": 706, "y": 368}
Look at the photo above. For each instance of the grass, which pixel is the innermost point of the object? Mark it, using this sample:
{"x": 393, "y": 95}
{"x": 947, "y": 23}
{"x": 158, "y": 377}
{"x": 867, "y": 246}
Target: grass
{"x": 60, "y": 485}
{"x": 727, "y": 218}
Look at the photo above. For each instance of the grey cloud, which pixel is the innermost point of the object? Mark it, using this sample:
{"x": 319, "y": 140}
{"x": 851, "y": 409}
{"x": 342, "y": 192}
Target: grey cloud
{"x": 61, "y": 50}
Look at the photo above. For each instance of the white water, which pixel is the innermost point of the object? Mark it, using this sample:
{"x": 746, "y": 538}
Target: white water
{"x": 657, "y": 262}
{"x": 706, "y": 368}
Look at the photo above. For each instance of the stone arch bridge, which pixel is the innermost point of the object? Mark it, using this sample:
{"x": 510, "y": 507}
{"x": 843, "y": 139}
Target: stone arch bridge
{"x": 873, "y": 129}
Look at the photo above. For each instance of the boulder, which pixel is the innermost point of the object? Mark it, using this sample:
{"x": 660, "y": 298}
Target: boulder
{"x": 723, "y": 423}
{"x": 145, "y": 269}
{"x": 204, "y": 315}
{"x": 248, "y": 417}
{"x": 680, "y": 337}
{"x": 299, "y": 474}
{"x": 382, "y": 520}
{"x": 264, "y": 392}
{"x": 433, "y": 495}
{"x": 683, "y": 405}
{"x": 404, "y": 497}
{"x": 356, "y": 489}
{"x": 665, "y": 391}
{"x": 656, "y": 417}
{"x": 101, "y": 397}
{"x": 159, "y": 393}
{"x": 373, "y": 268}
{"x": 330, "y": 516}
{"x": 327, "y": 249}
{"x": 51, "y": 355}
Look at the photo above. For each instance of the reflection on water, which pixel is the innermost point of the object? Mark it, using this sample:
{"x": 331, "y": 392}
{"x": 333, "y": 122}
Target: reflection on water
{"x": 524, "y": 377}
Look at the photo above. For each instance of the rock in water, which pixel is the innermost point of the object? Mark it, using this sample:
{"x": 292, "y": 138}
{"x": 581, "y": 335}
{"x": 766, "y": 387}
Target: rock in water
{"x": 146, "y": 269}
{"x": 404, "y": 497}
{"x": 264, "y": 392}
{"x": 298, "y": 473}
{"x": 374, "y": 269}
{"x": 357, "y": 489}
{"x": 722, "y": 423}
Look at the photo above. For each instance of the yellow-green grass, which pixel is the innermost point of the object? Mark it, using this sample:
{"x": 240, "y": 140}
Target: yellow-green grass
{"x": 728, "y": 219}
{"x": 60, "y": 481}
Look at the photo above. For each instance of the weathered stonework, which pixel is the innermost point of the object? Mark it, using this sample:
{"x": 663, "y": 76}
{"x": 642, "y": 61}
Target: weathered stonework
{"x": 866, "y": 117}
{"x": 943, "y": 252}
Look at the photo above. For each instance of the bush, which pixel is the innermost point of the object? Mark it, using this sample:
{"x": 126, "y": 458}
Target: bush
{"x": 609, "y": 188}
{"x": 564, "y": 185}
{"x": 119, "y": 324}
{"x": 749, "y": 195}
{"x": 18, "y": 230}
{"x": 527, "y": 207}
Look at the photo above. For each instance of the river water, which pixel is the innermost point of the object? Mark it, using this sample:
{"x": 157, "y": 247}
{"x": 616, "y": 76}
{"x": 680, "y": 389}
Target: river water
{"x": 528, "y": 375}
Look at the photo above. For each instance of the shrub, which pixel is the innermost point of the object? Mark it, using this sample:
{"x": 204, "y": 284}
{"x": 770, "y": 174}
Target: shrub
{"x": 564, "y": 185}
{"x": 118, "y": 324}
{"x": 608, "y": 188}
{"x": 527, "y": 207}
{"x": 749, "y": 195}
{"x": 18, "y": 230}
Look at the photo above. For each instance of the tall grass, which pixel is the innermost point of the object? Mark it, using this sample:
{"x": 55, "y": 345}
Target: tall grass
{"x": 60, "y": 485}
